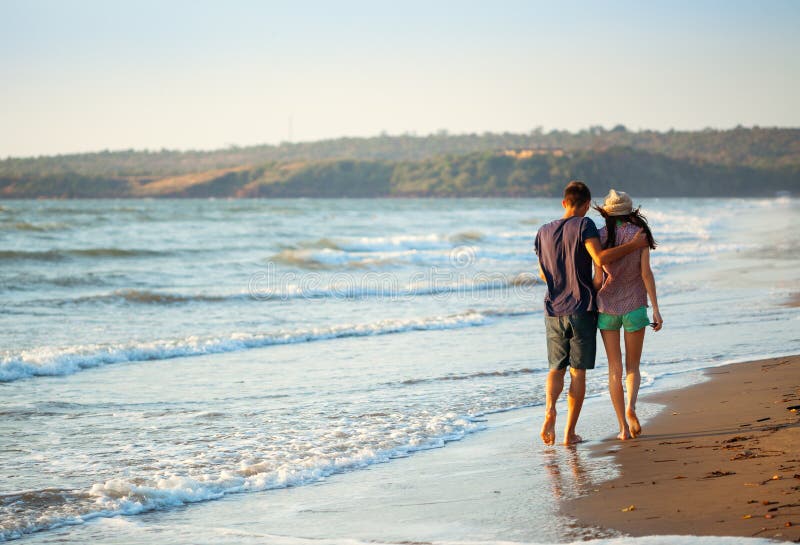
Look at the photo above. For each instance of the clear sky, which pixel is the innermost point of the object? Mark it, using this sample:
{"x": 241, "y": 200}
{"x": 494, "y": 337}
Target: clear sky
{"x": 84, "y": 75}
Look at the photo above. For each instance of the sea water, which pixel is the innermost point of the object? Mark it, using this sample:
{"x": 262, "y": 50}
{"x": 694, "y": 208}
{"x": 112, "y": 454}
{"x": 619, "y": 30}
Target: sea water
{"x": 160, "y": 353}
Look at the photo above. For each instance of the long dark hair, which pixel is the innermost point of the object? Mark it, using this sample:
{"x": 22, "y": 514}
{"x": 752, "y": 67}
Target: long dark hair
{"x": 635, "y": 217}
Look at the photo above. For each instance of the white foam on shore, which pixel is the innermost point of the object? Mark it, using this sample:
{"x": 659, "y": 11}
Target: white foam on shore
{"x": 123, "y": 497}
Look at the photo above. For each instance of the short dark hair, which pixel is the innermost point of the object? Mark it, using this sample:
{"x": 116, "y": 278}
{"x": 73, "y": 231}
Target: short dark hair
{"x": 577, "y": 193}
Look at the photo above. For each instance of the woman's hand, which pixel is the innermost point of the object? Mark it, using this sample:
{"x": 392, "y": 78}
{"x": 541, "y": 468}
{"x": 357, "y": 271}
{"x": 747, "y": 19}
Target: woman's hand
{"x": 657, "y": 321}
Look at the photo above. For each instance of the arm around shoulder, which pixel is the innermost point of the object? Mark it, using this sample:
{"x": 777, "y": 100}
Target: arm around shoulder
{"x": 603, "y": 257}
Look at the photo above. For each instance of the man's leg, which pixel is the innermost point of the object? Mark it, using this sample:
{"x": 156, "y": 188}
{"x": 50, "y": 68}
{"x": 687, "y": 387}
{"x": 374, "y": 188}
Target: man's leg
{"x": 553, "y": 388}
{"x": 582, "y": 352}
{"x": 577, "y": 391}
{"x": 558, "y": 358}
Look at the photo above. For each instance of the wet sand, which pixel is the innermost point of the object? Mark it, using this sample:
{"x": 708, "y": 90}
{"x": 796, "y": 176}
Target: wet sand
{"x": 723, "y": 458}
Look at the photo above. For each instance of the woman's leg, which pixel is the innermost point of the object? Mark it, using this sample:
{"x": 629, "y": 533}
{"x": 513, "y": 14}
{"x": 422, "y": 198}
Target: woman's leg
{"x": 633, "y": 355}
{"x": 614, "y": 355}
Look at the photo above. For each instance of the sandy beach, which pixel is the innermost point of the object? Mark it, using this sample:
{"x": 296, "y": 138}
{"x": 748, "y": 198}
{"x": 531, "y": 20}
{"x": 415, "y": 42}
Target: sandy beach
{"x": 722, "y": 458}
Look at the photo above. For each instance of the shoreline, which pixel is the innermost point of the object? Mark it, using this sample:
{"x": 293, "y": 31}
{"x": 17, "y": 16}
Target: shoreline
{"x": 722, "y": 458}
{"x": 498, "y": 485}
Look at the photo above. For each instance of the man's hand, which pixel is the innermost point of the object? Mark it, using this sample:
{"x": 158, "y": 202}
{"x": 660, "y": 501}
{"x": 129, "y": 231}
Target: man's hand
{"x": 640, "y": 240}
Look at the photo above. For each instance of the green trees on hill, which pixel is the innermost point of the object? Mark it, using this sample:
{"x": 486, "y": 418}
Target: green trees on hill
{"x": 738, "y": 162}
{"x": 65, "y": 186}
{"x": 640, "y": 172}
{"x": 757, "y": 147}
{"x": 332, "y": 179}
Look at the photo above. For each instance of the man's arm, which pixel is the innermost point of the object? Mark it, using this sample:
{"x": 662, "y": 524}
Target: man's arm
{"x": 609, "y": 255}
{"x": 536, "y": 250}
{"x": 597, "y": 281}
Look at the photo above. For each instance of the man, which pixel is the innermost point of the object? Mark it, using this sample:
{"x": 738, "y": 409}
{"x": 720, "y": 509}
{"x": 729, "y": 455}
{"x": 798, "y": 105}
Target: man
{"x": 567, "y": 248}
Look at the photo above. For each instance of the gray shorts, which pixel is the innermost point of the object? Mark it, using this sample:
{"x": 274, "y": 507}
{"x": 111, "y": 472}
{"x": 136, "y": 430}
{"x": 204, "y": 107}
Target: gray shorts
{"x": 571, "y": 340}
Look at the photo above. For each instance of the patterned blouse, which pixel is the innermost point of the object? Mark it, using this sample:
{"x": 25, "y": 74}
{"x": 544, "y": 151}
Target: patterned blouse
{"x": 623, "y": 288}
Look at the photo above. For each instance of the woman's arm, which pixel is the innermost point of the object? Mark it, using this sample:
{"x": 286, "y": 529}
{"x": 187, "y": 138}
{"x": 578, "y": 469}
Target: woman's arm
{"x": 650, "y": 286}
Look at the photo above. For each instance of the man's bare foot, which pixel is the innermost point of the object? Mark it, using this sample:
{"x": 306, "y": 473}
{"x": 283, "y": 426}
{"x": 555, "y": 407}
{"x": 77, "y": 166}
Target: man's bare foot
{"x": 572, "y": 439}
{"x": 549, "y": 427}
{"x": 633, "y": 423}
{"x": 624, "y": 435}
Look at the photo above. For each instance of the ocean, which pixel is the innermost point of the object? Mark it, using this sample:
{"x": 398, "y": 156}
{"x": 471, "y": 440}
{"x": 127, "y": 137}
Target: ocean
{"x": 159, "y": 355}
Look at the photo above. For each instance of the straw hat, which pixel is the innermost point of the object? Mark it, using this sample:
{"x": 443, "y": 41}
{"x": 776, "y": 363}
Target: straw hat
{"x": 618, "y": 203}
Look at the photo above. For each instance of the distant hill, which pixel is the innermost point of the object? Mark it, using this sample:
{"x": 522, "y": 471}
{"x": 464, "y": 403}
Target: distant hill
{"x": 736, "y": 162}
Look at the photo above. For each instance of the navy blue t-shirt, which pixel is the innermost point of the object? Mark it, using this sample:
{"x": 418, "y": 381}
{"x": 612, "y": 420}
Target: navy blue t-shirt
{"x": 567, "y": 265}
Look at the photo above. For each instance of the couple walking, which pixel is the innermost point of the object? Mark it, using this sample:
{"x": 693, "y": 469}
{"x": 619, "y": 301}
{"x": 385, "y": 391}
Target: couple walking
{"x": 587, "y": 271}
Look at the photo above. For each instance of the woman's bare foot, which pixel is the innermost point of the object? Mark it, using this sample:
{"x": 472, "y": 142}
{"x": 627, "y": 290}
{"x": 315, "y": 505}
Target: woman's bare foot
{"x": 549, "y": 427}
{"x": 572, "y": 439}
{"x": 624, "y": 435}
{"x": 633, "y": 423}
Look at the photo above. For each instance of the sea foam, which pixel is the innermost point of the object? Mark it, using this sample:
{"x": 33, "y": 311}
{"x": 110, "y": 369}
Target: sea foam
{"x": 54, "y": 361}
{"x": 119, "y": 496}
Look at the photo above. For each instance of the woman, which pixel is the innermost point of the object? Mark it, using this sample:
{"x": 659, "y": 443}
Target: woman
{"x": 622, "y": 291}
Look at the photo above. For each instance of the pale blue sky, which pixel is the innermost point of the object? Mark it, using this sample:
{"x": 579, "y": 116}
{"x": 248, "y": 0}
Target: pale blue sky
{"x": 116, "y": 74}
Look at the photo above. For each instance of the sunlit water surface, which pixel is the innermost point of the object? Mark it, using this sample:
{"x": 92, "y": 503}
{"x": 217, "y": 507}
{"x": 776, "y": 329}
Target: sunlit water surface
{"x": 162, "y": 353}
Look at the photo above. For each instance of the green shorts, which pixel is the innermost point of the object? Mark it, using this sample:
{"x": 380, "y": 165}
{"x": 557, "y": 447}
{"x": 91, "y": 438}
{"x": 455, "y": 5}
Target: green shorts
{"x": 631, "y": 321}
{"x": 571, "y": 340}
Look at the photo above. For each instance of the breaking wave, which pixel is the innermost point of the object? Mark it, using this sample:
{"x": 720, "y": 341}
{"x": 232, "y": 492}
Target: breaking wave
{"x": 48, "y": 361}
{"x": 30, "y": 511}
